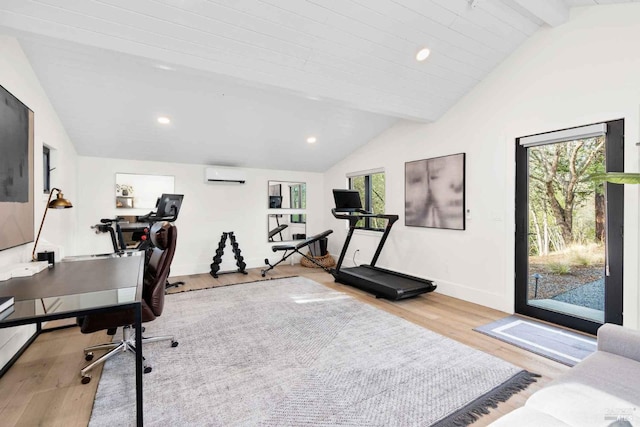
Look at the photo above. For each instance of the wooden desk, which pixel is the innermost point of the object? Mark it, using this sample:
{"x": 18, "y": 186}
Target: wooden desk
{"x": 80, "y": 288}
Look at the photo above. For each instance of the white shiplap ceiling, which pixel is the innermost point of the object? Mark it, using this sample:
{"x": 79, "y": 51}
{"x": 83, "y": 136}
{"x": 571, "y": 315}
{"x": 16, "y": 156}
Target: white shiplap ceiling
{"x": 249, "y": 80}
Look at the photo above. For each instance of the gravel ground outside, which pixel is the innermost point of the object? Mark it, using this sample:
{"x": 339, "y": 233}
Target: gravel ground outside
{"x": 551, "y": 284}
{"x": 590, "y": 295}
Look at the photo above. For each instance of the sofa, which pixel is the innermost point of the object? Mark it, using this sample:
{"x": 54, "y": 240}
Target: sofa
{"x": 602, "y": 390}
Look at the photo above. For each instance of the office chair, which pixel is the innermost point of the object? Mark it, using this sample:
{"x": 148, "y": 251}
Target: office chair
{"x": 157, "y": 262}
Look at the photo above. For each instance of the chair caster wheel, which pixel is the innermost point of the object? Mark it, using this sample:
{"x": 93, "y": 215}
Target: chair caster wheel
{"x": 147, "y": 369}
{"x": 85, "y": 380}
{"x": 174, "y": 343}
{"x": 88, "y": 357}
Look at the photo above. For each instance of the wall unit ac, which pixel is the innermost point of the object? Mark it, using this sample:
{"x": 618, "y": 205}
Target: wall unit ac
{"x": 215, "y": 174}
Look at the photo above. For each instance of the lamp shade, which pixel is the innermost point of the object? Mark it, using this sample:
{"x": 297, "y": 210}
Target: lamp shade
{"x": 60, "y": 202}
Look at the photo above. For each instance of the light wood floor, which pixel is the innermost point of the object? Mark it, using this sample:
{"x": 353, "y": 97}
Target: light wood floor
{"x": 43, "y": 387}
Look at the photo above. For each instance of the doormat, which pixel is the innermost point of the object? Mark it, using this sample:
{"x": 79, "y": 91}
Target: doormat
{"x": 554, "y": 343}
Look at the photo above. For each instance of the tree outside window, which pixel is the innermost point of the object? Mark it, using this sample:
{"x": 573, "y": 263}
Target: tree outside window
{"x": 372, "y": 195}
{"x": 298, "y": 195}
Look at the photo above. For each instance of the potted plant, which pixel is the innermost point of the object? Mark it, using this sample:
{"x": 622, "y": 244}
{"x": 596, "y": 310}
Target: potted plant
{"x": 124, "y": 189}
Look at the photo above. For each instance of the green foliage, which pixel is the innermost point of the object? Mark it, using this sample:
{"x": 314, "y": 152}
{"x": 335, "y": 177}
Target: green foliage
{"x": 559, "y": 189}
{"x": 377, "y": 199}
{"x": 376, "y": 202}
{"x": 616, "y": 177}
{"x": 560, "y": 268}
{"x": 581, "y": 260}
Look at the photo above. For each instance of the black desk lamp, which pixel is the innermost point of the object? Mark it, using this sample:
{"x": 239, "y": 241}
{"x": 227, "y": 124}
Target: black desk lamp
{"x": 59, "y": 203}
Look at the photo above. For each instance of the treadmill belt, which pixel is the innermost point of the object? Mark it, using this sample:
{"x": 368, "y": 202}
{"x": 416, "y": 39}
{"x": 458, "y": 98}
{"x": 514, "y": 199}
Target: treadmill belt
{"x": 384, "y": 283}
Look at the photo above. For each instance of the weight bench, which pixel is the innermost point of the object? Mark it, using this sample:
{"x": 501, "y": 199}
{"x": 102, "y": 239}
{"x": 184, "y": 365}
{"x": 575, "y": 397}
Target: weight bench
{"x": 277, "y": 230}
{"x": 293, "y": 249}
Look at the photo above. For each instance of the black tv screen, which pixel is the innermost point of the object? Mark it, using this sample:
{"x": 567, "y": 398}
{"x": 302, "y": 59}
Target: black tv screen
{"x": 16, "y": 172}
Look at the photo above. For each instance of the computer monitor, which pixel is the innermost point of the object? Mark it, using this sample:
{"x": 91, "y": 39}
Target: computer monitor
{"x": 275, "y": 202}
{"x": 169, "y": 205}
{"x": 347, "y": 200}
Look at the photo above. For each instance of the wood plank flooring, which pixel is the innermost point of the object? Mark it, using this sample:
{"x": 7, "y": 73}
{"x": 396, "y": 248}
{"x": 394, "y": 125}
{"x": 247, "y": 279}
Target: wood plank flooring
{"x": 43, "y": 387}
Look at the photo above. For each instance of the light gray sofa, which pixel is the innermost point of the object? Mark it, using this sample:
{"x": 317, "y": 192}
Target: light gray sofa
{"x": 602, "y": 390}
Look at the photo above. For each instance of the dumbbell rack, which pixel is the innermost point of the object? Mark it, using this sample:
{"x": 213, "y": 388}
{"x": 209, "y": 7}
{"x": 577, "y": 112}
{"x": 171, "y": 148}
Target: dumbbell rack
{"x": 217, "y": 259}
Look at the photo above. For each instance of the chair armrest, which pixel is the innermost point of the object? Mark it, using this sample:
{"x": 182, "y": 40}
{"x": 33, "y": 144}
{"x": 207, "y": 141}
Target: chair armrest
{"x": 615, "y": 339}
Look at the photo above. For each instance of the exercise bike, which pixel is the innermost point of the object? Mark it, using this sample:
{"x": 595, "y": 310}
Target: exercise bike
{"x": 167, "y": 209}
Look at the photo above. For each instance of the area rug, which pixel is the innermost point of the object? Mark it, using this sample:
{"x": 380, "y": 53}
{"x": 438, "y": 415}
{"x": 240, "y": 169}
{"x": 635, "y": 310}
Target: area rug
{"x": 554, "y": 343}
{"x": 291, "y": 352}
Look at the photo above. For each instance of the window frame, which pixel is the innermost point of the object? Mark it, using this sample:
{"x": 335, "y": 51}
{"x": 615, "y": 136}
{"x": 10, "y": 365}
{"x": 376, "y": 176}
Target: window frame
{"x": 46, "y": 169}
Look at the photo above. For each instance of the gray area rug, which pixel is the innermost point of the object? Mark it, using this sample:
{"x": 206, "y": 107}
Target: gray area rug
{"x": 291, "y": 352}
{"x": 554, "y": 343}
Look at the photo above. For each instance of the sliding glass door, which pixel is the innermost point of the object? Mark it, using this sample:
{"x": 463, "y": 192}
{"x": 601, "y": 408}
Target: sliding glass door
{"x": 569, "y": 228}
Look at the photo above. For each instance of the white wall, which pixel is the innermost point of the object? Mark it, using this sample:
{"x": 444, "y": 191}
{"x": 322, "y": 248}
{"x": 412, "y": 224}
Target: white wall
{"x": 208, "y": 210}
{"x": 17, "y": 76}
{"x": 585, "y": 71}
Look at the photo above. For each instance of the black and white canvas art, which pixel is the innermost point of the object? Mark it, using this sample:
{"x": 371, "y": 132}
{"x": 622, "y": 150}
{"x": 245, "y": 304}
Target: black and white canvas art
{"x": 434, "y": 192}
{"x": 16, "y": 172}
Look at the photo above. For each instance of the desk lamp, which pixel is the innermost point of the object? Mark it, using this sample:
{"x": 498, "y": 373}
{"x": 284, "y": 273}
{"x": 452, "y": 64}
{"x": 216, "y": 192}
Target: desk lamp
{"x": 59, "y": 203}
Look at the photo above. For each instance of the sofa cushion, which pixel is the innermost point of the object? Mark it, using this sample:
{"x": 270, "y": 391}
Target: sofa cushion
{"x": 609, "y": 373}
{"x": 579, "y": 405}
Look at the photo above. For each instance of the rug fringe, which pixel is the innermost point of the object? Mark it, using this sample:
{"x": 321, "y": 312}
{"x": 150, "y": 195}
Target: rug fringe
{"x": 472, "y": 412}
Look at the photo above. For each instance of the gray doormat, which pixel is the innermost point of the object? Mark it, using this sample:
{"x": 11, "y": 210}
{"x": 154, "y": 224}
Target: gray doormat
{"x": 555, "y": 343}
{"x": 292, "y": 352}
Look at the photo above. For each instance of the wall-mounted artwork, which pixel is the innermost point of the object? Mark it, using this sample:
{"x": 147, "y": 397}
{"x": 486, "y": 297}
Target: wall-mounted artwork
{"x": 16, "y": 172}
{"x": 434, "y": 192}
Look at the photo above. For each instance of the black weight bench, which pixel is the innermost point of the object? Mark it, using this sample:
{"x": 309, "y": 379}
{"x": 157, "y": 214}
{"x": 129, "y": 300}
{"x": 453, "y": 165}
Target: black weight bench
{"x": 295, "y": 249}
{"x": 277, "y": 230}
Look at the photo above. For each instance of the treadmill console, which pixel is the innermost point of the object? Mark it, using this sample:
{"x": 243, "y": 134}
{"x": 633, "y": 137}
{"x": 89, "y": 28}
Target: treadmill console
{"x": 347, "y": 200}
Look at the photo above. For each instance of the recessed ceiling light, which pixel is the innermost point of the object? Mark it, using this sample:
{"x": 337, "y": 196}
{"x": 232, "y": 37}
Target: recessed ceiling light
{"x": 422, "y": 54}
{"x": 311, "y": 140}
{"x": 164, "y": 67}
{"x": 164, "y": 120}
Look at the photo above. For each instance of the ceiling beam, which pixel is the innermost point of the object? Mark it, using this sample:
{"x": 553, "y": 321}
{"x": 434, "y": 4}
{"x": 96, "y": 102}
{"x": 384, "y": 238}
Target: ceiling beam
{"x": 552, "y": 12}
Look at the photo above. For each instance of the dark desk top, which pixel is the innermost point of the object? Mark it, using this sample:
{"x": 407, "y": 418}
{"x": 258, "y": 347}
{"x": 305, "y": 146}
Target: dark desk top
{"x": 76, "y": 277}
{"x": 72, "y": 288}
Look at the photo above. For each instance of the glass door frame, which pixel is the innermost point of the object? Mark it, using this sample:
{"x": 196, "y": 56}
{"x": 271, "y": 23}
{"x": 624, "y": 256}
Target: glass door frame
{"x": 614, "y": 158}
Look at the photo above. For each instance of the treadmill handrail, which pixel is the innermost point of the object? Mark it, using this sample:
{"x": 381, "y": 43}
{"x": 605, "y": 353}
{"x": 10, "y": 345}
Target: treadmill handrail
{"x": 361, "y": 213}
{"x": 353, "y": 218}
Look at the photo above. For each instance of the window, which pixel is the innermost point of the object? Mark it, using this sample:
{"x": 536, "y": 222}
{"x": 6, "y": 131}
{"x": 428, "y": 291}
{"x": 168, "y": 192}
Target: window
{"x": 371, "y": 187}
{"x": 298, "y": 195}
{"x": 46, "y": 169}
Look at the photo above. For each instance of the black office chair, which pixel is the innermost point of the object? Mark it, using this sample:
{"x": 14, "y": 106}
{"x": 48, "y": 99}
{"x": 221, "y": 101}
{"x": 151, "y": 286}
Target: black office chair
{"x": 156, "y": 270}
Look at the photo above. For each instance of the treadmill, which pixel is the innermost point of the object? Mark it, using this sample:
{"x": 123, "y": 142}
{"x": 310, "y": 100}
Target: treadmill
{"x": 381, "y": 282}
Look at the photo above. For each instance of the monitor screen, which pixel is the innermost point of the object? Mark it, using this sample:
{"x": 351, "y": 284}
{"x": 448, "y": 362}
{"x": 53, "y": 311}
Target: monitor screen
{"x": 169, "y": 205}
{"x": 347, "y": 200}
{"x": 275, "y": 202}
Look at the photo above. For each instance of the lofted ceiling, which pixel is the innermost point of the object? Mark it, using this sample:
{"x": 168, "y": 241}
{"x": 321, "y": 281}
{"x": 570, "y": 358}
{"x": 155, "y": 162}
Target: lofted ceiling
{"x": 245, "y": 82}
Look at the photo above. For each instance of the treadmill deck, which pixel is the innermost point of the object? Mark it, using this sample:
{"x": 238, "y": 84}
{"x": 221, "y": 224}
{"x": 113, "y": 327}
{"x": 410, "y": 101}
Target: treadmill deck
{"x": 384, "y": 283}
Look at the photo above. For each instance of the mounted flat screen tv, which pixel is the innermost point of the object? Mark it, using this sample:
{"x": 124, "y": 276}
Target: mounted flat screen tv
{"x": 16, "y": 172}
